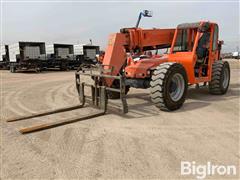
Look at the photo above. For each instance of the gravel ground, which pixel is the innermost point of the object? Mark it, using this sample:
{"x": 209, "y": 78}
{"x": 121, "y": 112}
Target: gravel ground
{"x": 145, "y": 143}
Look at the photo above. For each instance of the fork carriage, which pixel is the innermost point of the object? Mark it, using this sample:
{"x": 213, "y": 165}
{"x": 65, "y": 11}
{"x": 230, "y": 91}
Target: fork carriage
{"x": 99, "y": 90}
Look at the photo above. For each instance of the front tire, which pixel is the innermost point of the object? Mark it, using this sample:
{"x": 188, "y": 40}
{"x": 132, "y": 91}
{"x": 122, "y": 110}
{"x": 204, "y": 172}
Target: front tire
{"x": 169, "y": 86}
{"x": 220, "y": 78}
{"x": 116, "y": 95}
{"x": 12, "y": 69}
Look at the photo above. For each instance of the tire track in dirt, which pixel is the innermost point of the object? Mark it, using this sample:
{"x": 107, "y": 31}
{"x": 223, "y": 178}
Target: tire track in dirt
{"x": 21, "y": 103}
{"x": 16, "y": 99}
{"x": 49, "y": 97}
{"x": 65, "y": 95}
{"x": 11, "y": 106}
{"x": 55, "y": 96}
{"x": 71, "y": 90}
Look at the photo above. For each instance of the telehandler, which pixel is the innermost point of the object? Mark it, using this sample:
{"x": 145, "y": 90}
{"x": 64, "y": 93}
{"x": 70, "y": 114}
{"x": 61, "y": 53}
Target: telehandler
{"x": 193, "y": 58}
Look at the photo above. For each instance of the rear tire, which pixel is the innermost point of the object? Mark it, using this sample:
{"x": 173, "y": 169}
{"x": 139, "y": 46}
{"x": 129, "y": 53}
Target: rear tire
{"x": 169, "y": 86}
{"x": 220, "y": 78}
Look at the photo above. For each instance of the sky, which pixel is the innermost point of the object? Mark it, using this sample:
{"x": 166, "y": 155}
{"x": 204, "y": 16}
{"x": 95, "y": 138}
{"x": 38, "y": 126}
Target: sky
{"x": 77, "y": 22}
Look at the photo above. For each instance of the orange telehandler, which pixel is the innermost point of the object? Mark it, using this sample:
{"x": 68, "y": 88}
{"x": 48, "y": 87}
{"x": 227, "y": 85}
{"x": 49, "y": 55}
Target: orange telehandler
{"x": 193, "y": 58}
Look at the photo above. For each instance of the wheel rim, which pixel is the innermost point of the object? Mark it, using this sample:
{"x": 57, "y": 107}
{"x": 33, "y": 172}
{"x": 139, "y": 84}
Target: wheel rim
{"x": 177, "y": 87}
{"x": 225, "y": 78}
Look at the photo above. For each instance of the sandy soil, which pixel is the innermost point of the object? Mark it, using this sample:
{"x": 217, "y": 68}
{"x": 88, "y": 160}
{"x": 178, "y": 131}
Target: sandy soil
{"x": 146, "y": 143}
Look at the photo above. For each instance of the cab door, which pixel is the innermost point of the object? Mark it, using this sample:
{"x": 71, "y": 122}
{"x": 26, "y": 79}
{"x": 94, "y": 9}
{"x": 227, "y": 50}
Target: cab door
{"x": 214, "y": 44}
{"x": 213, "y": 51}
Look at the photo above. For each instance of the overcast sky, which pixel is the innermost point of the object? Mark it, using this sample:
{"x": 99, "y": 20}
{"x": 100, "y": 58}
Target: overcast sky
{"x": 77, "y": 22}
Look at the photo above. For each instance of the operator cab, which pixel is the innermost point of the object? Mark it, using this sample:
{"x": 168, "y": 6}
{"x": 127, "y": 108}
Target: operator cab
{"x": 199, "y": 41}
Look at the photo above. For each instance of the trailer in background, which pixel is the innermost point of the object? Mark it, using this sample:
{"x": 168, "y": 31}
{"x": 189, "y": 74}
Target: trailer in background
{"x": 85, "y": 54}
{"x": 4, "y": 57}
{"x": 236, "y": 55}
{"x": 27, "y": 56}
{"x": 59, "y": 56}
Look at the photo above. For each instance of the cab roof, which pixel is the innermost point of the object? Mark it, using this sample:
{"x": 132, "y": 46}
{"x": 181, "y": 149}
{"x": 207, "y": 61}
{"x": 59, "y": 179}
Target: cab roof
{"x": 192, "y": 25}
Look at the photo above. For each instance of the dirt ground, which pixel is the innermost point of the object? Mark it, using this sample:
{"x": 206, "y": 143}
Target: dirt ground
{"x": 145, "y": 143}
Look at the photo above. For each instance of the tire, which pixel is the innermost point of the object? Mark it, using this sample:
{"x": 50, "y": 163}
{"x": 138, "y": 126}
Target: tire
{"x": 12, "y": 69}
{"x": 116, "y": 95}
{"x": 168, "y": 86}
{"x": 38, "y": 70}
{"x": 220, "y": 78}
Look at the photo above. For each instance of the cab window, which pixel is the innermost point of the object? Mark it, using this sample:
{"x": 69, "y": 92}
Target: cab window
{"x": 215, "y": 38}
{"x": 181, "y": 41}
{"x": 185, "y": 40}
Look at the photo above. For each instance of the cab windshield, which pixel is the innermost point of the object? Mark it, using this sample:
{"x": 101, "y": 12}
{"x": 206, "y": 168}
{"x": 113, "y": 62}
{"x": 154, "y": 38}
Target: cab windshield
{"x": 185, "y": 40}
